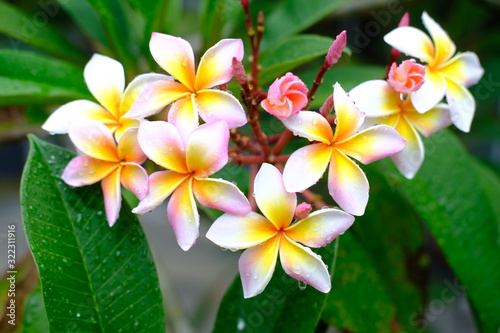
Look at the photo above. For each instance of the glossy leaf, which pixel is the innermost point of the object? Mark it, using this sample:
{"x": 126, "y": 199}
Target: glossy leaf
{"x": 34, "y": 30}
{"x": 35, "y": 317}
{"x": 282, "y": 307}
{"x": 94, "y": 278}
{"x": 27, "y": 77}
{"x": 291, "y": 53}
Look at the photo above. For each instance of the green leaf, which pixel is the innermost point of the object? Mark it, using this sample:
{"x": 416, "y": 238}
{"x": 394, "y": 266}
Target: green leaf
{"x": 291, "y": 53}
{"x": 282, "y": 307}
{"x": 212, "y": 19}
{"x": 447, "y": 193}
{"x": 94, "y": 278}
{"x": 27, "y": 77}
{"x": 294, "y": 16}
{"x": 491, "y": 185}
{"x": 35, "y": 316}
{"x": 20, "y": 26}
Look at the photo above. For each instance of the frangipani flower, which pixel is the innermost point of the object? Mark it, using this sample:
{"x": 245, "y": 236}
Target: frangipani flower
{"x": 265, "y": 236}
{"x": 383, "y": 105}
{"x": 445, "y": 73}
{"x": 347, "y": 183}
{"x": 286, "y": 96}
{"x": 105, "y": 79}
{"x": 192, "y": 94}
{"x": 189, "y": 165}
{"x": 102, "y": 160}
{"x": 407, "y": 77}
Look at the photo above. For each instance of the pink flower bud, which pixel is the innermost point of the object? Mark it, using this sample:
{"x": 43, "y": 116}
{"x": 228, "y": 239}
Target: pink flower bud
{"x": 302, "y": 211}
{"x": 286, "y": 96}
{"x": 407, "y": 77}
{"x": 335, "y": 51}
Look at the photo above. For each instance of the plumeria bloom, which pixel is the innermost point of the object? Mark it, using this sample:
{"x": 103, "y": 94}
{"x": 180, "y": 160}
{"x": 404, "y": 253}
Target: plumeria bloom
{"x": 192, "y": 95}
{"x": 188, "y": 166}
{"x": 407, "y": 77}
{"x": 266, "y": 236}
{"x": 102, "y": 160}
{"x": 105, "y": 79}
{"x": 347, "y": 183}
{"x": 383, "y": 105}
{"x": 445, "y": 73}
{"x": 286, "y": 96}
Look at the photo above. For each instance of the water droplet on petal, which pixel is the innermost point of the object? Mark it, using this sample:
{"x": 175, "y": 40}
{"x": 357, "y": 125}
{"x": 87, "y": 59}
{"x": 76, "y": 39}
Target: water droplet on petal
{"x": 302, "y": 285}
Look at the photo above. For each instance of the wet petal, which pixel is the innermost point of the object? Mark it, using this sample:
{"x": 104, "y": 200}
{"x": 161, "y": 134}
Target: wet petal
{"x": 432, "y": 121}
{"x": 410, "y": 159}
{"x": 443, "y": 45}
{"x": 376, "y": 98}
{"x": 162, "y": 143}
{"x": 304, "y": 265}
{"x": 412, "y": 42}
{"x": 372, "y": 144}
{"x": 347, "y": 184}
{"x": 93, "y": 139}
{"x": 206, "y": 151}
{"x": 430, "y": 93}
{"x": 222, "y": 195}
{"x": 183, "y": 215}
{"x": 274, "y": 201}
{"x": 310, "y": 125}
{"x": 462, "y": 105}
{"x": 257, "y": 266}
{"x": 174, "y": 55}
{"x": 464, "y": 68}
{"x": 85, "y": 170}
{"x": 349, "y": 118}
{"x": 306, "y": 166}
{"x": 156, "y": 97}
{"x": 111, "y": 189}
{"x": 58, "y": 121}
{"x": 129, "y": 149}
{"x": 124, "y": 125}
{"x": 184, "y": 116}
{"x": 216, "y": 65}
{"x": 105, "y": 79}
{"x": 161, "y": 185}
{"x": 215, "y": 105}
{"x": 320, "y": 227}
{"x": 135, "y": 179}
{"x": 241, "y": 232}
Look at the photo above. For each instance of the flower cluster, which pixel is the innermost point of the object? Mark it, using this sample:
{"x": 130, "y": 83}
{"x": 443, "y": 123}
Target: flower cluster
{"x": 202, "y": 134}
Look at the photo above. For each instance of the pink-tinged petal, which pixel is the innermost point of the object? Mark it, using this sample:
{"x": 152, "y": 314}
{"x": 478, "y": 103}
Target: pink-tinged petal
{"x": 464, "y": 68}
{"x": 215, "y": 105}
{"x": 372, "y": 144}
{"x": 93, "y": 139}
{"x": 184, "y": 116}
{"x": 161, "y": 185}
{"x": 430, "y": 93}
{"x": 105, "y": 79}
{"x": 58, "y": 121}
{"x": 174, "y": 55}
{"x": 137, "y": 86}
{"x": 241, "y": 232}
{"x": 135, "y": 179}
{"x": 412, "y": 42}
{"x": 376, "y": 98}
{"x": 156, "y": 97}
{"x": 257, "y": 266}
{"x": 310, "y": 125}
{"x": 222, "y": 195}
{"x": 320, "y": 227}
{"x": 306, "y": 166}
{"x": 462, "y": 105}
{"x": 274, "y": 201}
{"x": 444, "y": 47}
{"x": 85, "y": 170}
{"x": 162, "y": 143}
{"x": 129, "y": 149}
{"x": 432, "y": 121}
{"x": 349, "y": 118}
{"x": 124, "y": 125}
{"x": 411, "y": 158}
{"x": 111, "y": 190}
{"x": 183, "y": 215}
{"x": 216, "y": 65}
{"x": 206, "y": 149}
{"x": 347, "y": 184}
{"x": 304, "y": 265}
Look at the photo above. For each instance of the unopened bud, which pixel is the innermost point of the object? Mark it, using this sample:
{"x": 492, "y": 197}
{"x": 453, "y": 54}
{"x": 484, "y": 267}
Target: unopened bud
{"x": 239, "y": 72}
{"x": 335, "y": 51}
{"x": 327, "y": 107}
{"x": 302, "y": 211}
